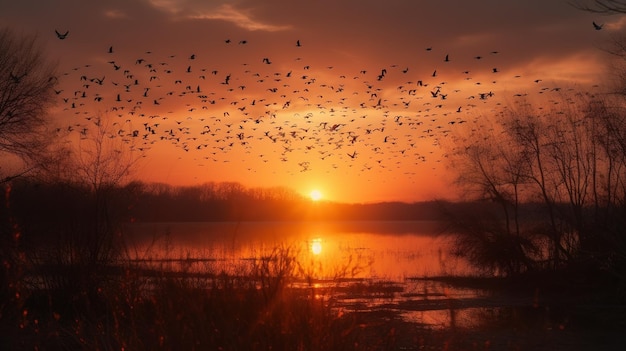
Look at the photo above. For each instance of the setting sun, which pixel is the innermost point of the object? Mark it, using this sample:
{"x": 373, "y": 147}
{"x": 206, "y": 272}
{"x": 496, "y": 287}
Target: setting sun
{"x": 315, "y": 195}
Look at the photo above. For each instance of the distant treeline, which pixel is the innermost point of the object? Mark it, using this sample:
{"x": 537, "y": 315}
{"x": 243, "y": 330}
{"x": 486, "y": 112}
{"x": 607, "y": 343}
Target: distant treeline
{"x": 136, "y": 201}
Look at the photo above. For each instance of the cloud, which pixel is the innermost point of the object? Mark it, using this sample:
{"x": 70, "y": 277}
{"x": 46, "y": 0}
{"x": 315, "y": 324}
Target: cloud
{"x": 171, "y": 6}
{"x": 224, "y": 12}
{"x": 618, "y": 25}
{"x": 115, "y": 14}
{"x": 240, "y": 18}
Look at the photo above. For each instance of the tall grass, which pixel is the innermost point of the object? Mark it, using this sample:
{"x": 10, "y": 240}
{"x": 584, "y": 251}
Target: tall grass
{"x": 126, "y": 304}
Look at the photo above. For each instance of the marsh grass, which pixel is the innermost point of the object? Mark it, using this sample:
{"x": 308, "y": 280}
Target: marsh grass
{"x": 69, "y": 294}
{"x": 265, "y": 302}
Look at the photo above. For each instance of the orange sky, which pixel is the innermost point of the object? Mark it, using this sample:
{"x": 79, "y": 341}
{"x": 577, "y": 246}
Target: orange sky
{"x": 187, "y": 85}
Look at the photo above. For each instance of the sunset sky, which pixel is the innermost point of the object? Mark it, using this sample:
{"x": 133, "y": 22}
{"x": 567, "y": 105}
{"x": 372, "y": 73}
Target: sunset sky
{"x": 353, "y": 98}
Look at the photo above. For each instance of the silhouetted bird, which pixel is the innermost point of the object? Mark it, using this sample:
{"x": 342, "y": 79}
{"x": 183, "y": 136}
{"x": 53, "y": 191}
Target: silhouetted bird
{"x": 597, "y": 26}
{"x": 62, "y": 35}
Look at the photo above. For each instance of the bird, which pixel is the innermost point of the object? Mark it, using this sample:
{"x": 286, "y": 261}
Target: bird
{"x": 62, "y": 35}
{"x": 597, "y": 26}
{"x": 140, "y": 88}
{"x": 226, "y": 79}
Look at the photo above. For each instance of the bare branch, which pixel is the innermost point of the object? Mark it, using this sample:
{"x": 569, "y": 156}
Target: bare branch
{"x": 27, "y": 83}
{"x": 601, "y": 6}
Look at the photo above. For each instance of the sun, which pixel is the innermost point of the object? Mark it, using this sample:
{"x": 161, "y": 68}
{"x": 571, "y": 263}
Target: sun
{"x": 315, "y": 195}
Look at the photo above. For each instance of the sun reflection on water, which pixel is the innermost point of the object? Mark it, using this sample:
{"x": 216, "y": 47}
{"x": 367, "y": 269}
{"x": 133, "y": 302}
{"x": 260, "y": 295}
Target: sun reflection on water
{"x": 359, "y": 265}
{"x": 316, "y": 246}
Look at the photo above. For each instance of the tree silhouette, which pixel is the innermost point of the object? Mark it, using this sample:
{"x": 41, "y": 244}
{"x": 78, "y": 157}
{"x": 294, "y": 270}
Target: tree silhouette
{"x": 557, "y": 178}
{"x": 26, "y": 91}
{"x": 27, "y": 83}
{"x": 602, "y": 6}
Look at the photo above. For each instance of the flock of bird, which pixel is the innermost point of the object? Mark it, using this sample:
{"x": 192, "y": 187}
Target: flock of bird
{"x": 287, "y": 111}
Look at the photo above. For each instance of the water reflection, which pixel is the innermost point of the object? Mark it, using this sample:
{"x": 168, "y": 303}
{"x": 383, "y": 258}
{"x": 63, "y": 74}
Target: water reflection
{"x": 358, "y": 265}
{"x": 385, "y": 250}
{"x": 316, "y": 246}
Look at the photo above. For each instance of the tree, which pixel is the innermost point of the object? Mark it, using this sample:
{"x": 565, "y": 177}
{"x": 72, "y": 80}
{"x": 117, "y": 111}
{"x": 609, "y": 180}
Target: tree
{"x": 97, "y": 165}
{"x": 26, "y": 91}
{"x": 602, "y": 6}
{"x": 558, "y": 178}
{"x": 493, "y": 169}
{"x": 27, "y": 81}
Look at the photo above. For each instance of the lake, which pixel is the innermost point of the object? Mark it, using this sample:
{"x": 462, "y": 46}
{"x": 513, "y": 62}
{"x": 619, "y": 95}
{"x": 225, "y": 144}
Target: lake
{"x": 392, "y": 250}
{"x": 365, "y": 265}
{"x": 385, "y": 269}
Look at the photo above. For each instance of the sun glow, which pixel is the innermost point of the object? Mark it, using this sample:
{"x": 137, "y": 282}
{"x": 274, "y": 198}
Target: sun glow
{"x": 315, "y": 195}
{"x": 316, "y": 246}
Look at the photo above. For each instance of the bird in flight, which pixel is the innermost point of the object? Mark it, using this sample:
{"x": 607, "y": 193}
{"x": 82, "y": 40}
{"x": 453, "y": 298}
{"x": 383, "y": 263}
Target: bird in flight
{"x": 62, "y": 35}
{"x": 597, "y": 26}
{"x": 291, "y": 134}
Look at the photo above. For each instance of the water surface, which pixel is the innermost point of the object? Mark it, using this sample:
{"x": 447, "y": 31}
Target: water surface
{"x": 390, "y": 250}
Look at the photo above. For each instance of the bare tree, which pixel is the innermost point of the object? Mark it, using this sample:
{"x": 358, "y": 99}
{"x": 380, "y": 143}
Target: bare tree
{"x": 26, "y": 91}
{"x": 617, "y": 66}
{"x": 100, "y": 162}
{"x": 27, "y": 83}
{"x": 568, "y": 164}
{"x": 602, "y": 6}
{"x": 102, "y": 159}
{"x": 494, "y": 167}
